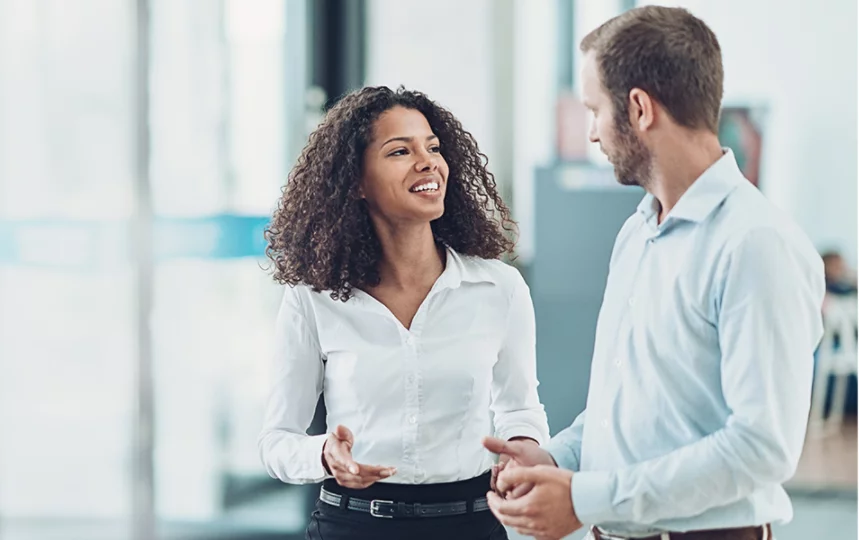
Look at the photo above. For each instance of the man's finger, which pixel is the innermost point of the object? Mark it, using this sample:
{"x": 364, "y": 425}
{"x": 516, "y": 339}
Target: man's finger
{"x": 510, "y": 509}
{"x": 520, "y": 490}
{"x": 511, "y": 477}
{"x": 516, "y": 519}
{"x": 500, "y": 446}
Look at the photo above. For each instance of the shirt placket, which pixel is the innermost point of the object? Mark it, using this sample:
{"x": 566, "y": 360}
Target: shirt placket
{"x": 630, "y": 306}
{"x": 412, "y": 342}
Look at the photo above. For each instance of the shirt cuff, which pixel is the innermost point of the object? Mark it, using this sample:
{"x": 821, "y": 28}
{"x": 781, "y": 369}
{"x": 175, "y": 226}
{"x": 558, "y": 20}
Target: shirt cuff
{"x": 310, "y": 462}
{"x": 591, "y": 492}
{"x": 561, "y": 453}
{"x": 521, "y": 430}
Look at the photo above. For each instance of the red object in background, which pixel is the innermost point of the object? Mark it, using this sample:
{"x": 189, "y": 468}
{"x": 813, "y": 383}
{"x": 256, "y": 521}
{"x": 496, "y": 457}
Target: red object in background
{"x": 571, "y": 120}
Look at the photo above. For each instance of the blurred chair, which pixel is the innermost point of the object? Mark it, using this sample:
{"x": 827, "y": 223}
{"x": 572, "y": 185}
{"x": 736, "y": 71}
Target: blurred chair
{"x": 836, "y": 357}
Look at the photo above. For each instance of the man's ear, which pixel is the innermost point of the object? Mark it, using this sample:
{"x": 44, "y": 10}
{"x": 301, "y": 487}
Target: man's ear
{"x": 642, "y": 109}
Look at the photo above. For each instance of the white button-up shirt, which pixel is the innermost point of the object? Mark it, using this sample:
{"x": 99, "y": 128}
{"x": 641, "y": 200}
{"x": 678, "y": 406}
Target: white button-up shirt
{"x": 701, "y": 377}
{"x": 418, "y": 399}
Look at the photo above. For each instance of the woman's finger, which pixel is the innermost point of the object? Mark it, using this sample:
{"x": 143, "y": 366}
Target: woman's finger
{"x": 339, "y": 451}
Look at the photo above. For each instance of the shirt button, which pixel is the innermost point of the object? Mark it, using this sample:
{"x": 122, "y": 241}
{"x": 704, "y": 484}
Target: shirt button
{"x": 410, "y": 340}
{"x": 605, "y": 423}
{"x": 618, "y": 362}
{"x": 412, "y": 420}
{"x": 632, "y": 301}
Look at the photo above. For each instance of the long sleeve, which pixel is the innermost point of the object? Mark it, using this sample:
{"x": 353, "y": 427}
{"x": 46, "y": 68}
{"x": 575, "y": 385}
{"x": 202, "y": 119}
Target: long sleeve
{"x": 287, "y": 452}
{"x": 515, "y": 402}
{"x": 769, "y": 324}
{"x": 566, "y": 446}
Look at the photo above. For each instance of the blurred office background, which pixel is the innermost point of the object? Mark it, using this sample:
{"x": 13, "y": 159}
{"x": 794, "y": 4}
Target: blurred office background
{"x": 143, "y": 144}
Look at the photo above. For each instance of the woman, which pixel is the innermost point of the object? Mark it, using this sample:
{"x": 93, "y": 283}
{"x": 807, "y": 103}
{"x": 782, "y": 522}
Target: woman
{"x": 397, "y": 310}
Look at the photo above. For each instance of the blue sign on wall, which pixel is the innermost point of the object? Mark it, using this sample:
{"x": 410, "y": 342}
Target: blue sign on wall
{"x": 83, "y": 244}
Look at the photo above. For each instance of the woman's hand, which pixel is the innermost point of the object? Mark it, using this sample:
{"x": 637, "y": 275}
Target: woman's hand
{"x": 337, "y": 460}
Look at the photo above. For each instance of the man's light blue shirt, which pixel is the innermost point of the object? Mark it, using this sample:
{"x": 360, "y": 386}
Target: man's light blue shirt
{"x": 702, "y": 368}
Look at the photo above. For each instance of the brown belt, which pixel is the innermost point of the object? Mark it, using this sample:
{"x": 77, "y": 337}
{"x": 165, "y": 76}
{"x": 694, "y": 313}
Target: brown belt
{"x": 743, "y": 533}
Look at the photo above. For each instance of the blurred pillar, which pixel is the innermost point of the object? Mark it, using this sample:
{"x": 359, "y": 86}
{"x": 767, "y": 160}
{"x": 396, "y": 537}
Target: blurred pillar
{"x": 338, "y": 29}
{"x": 142, "y": 485}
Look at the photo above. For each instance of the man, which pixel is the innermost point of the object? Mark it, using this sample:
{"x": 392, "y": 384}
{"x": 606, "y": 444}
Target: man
{"x": 701, "y": 376}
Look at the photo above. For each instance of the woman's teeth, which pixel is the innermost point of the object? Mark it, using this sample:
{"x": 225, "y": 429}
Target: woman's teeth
{"x": 432, "y": 186}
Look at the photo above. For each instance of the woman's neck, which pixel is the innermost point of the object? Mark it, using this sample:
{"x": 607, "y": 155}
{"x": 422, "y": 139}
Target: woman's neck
{"x": 410, "y": 256}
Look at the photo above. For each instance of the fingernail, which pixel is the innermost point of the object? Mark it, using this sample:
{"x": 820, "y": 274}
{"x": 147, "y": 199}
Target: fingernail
{"x": 353, "y": 469}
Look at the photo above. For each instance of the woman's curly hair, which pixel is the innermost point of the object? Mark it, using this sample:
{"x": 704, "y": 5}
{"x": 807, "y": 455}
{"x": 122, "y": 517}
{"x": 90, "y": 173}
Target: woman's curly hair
{"x": 321, "y": 234}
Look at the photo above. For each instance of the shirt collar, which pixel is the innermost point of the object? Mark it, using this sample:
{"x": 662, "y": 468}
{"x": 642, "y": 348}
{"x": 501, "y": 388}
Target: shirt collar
{"x": 704, "y": 195}
{"x": 463, "y": 269}
{"x": 458, "y": 269}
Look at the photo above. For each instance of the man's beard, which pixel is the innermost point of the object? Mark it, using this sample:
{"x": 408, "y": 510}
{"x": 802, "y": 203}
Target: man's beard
{"x": 632, "y": 160}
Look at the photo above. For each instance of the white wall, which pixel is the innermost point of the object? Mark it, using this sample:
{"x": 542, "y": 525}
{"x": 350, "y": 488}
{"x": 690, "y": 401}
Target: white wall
{"x": 801, "y": 59}
{"x": 442, "y": 49}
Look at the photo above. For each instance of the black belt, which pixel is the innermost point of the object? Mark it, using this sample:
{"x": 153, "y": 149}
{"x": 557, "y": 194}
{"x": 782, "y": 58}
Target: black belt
{"x": 390, "y": 509}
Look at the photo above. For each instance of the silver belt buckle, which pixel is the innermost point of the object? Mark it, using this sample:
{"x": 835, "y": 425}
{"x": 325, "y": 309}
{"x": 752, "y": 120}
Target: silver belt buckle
{"x": 374, "y": 508}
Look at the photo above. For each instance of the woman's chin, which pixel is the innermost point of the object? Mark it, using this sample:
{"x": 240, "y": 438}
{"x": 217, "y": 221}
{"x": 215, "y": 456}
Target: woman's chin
{"x": 429, "y": 212}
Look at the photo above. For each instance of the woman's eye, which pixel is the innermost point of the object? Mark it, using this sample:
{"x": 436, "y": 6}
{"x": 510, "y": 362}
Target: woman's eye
{"x": 399, "y": 152}
{"x": 435, "y": 149}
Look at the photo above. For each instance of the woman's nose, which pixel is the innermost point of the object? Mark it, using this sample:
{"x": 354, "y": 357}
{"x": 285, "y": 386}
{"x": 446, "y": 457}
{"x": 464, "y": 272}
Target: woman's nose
{"x": 426, "y": 161}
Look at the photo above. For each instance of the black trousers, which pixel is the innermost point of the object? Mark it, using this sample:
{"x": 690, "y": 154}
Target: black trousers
{"x": 332, "y": 523}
